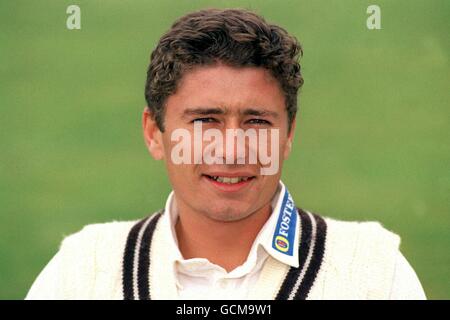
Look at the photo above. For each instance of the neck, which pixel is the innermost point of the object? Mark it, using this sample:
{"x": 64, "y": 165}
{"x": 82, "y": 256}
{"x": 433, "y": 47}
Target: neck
{"x": 226, "y": 244}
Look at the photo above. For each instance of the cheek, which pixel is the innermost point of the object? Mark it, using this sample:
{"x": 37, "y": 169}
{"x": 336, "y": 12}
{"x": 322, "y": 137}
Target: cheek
{"x": 285, "y": 146}
{"x": 177, "y": 171}
{"x": 278, "y": 146}
{"x": 168, "y": 145}
{"x": 182, "y": 177}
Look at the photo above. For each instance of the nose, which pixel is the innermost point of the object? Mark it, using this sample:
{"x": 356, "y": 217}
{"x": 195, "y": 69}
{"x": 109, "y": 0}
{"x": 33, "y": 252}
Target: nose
{"x": 240, "y": 144}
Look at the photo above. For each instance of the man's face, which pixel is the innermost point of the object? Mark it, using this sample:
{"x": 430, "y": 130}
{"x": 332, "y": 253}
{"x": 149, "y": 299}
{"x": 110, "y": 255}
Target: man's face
{"x": 222, "y": 97}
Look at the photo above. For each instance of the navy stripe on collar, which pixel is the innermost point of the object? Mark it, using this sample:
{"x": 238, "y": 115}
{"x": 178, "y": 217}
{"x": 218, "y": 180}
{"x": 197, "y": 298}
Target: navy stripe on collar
{"x": 136, "y": 259}
{"x": 299, "y": 281}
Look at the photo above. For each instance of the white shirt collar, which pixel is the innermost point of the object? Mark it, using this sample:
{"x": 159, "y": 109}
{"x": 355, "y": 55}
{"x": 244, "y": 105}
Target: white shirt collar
{"x": 279, "y": 237}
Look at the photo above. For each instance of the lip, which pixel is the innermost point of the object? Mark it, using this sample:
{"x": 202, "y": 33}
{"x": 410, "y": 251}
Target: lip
{"x": 227, "y": 187}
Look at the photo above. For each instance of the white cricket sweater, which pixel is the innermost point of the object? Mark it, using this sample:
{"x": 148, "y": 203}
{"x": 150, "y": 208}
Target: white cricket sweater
{"x": 134, "y": 260}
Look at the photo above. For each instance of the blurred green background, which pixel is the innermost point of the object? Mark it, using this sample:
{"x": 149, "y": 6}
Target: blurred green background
{"x": 372, "y": 141}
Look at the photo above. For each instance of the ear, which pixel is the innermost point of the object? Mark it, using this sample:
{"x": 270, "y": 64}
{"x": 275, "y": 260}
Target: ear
{"x": 290, "y": 138}
{"x": 152, "y": 135}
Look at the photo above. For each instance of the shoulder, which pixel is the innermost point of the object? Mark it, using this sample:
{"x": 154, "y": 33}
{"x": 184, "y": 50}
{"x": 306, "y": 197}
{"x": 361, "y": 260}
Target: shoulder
{"x": 86, "y": 266}
{"x": 92, "y": 233}
{"x": 91, "y": 260}
{"x": 359, "y": 260}
{"x": 96, "y": 247}
{"x": 364, "y": 232}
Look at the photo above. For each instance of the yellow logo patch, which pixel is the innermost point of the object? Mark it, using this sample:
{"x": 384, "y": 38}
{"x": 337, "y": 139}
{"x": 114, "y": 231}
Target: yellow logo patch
{"x": 282, "y": 243}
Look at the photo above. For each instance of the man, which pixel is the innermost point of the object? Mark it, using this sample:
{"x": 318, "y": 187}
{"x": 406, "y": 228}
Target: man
{"x": 230, "y": 228}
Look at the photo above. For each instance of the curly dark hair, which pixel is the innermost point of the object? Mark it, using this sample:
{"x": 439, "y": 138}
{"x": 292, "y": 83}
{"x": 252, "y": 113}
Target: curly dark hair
{"x": 235, "y": 37}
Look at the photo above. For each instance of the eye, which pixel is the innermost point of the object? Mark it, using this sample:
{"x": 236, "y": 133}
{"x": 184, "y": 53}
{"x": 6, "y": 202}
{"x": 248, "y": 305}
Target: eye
{"x": 204, "y": 120}
{"x": 259, "y": 122}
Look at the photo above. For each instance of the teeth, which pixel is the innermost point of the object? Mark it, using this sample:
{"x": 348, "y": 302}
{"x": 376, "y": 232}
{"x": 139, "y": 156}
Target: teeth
{"x": 229, "y": 180}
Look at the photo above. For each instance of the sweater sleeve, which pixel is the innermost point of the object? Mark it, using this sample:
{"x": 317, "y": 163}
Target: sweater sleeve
{"x": 406, "y": 284}
{"x": 88, "y": 265}
{"x": 45, "y": 287}
{"x": 71, "y": 272}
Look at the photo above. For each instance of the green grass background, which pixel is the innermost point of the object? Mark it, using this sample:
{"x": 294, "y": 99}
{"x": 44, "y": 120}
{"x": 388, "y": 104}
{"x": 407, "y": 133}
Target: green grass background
{"x": 372, "y": 141}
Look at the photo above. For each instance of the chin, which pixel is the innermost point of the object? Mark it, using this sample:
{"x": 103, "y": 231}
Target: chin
{"x": 228, "y": 214}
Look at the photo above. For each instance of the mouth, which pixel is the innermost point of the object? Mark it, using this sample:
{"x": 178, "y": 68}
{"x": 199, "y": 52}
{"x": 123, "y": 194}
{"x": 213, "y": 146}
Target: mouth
{"x": 229, "y": 183}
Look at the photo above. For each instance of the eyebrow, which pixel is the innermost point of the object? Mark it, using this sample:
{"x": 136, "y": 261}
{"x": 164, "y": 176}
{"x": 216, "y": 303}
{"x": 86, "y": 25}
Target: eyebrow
{"x": 247, "y": 112}
{"x": 203, "y": 111}
{"x": 259, "y": 112}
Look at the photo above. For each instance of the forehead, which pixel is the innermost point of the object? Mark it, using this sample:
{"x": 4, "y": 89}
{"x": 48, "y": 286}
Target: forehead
{"x": 228, "y": 87}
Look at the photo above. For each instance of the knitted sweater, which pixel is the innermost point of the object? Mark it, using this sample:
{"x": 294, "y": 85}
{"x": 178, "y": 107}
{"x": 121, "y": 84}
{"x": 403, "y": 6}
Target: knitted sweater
{"x": 127, "y": 260}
